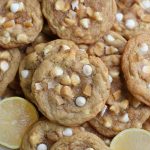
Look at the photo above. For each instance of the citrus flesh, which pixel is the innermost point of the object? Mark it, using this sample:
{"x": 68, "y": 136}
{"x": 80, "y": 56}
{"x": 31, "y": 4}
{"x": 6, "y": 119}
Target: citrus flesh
{"x": 16, "y": 116}
{"x": 131, "y": 139}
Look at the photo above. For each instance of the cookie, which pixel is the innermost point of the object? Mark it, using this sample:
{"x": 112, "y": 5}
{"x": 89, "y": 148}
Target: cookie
{"x": 121, "y": 111}
{"x": 81, "y": 21}
{"x": 38, "y": 54}
{"x": 44, "y": 134}
{"x": 132, "y": 20}
{"x": 20, "y": 22}
{"x": 71, "y": 88}
{"x": 80, "y": 141}
{"x": 9, "y": 62}
{"x": 136, "y": 67}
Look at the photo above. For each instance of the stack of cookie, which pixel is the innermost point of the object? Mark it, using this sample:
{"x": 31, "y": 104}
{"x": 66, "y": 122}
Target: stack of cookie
{"x": 87, "y": 71}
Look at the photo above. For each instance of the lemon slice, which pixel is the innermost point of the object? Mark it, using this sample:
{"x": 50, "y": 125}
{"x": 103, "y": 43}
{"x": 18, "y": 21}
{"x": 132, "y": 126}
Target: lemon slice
{"x": 131, "y": 139}
{"x": 16, "y": 115}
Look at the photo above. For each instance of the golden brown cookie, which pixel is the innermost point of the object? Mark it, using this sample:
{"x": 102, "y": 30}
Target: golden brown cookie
{"x": 70, "y": 87}
{"x": 136, "y": 67}
{"x": 132, "y": 18}
{"x": 121, "y": 111}
{"x": 38, "y": 54}
{"x": 9, "y": 62}
{"x": 43, "y": 134}
{"x": 20, "y": 22}
{"x": 80, "y": 141}
{"x": 83, "y": 21}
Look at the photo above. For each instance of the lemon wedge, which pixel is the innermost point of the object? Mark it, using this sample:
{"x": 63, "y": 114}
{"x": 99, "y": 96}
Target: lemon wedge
{"x": 131, "y": 139}
{"x": 16, "y": 115}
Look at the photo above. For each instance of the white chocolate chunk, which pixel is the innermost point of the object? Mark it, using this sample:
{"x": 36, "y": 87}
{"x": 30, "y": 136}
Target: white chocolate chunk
{"x": 119, "y": 17}
{"x": 42, "y": 147}
{"x": 98, "y": 16}
{"x": 80, "y": 101}
{"x": 38, "y": 86}
{"x": 87, "y": 70}
{"x": 130, "y": 23}
{"x": 65, "y": 47}
{"x": 25, "y": 73}
{"x": 4, "y": 65}
{"x": 125, "y": 118}
{"x": 58, "y": 71}
{"x": 2, "y": 20}
{"x": 22, "y": 37}
{"x": 51, "y": 84}
{"x": 75, "y": 4}
{"x": 85, "y": 23}
{"x": 143, "y": 48}
{"x": 146, "y": 69}
{"x": 110, "y": 79}
{"x": 104, "y": 110}
{"x": 110, "y": 38}
{"x": 75, "y": 79}
{"x": 68, "y": 132}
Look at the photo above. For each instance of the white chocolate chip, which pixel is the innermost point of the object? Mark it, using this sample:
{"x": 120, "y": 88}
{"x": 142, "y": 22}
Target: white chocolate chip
{"x": 80, "y": 101}
{"x": 42, "y": 147}
{"x": 38, "y": 86}
{"x": 87, "y": 70}
{"x": 125, "y": 118}
{"x": 51, "y": 84}
{"x": 2, "y": 20}
{"x": 75, "y": 4}
{"x": 110, "y": 79}
{"x": 58, "y": 71}
{"x": 130, "y": 23}
{"x": 68, "y": 132}
{"x": 65, "y": 47}
{"x": 145, "y": 4}
{"x": 85, "y": 23}
{"x": 14, "y": 7}
{"x": 143, "y": 48}
{"x": 146, "y": 69}
{"x": 104, "y": 110}
{"x": 25, "y": 73}
{"x": 4, "y": 65}
{"x": 119, "y": 17}
{"x": 110, "y": 38}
